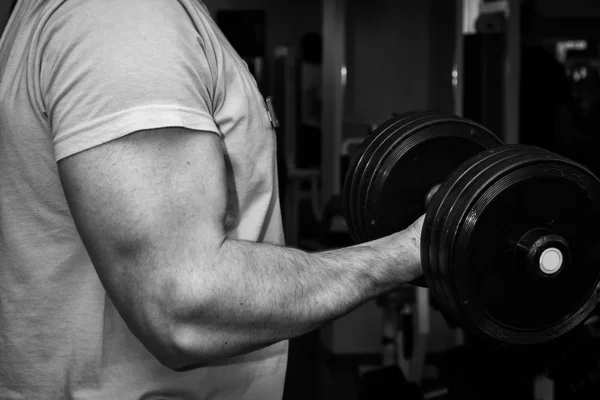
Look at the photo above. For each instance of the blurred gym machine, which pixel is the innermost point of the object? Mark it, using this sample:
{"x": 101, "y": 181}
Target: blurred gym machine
{"x": 582, "y": 65}
{"x": 292, "y": 93}
{"x": 487, "y": 65}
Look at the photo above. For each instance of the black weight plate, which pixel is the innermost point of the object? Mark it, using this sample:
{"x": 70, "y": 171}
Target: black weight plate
{"x": 558, "y": 195}
{"x": 505, "y": 198}
{"x": 384, "y": 147}
{"x": 443, "y": 208}
{"x": 451, "y": 205}
{"x": 379, "y": 135}
{"x": 430, "y": 236}
{"x": 420, "y": 155}
{"x": 369, "y": 161}
{"x": 360, "y": 158}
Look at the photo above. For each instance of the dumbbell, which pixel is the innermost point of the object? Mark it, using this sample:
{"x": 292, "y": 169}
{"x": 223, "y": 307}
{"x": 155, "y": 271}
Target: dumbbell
{"x": 510, "y": 246}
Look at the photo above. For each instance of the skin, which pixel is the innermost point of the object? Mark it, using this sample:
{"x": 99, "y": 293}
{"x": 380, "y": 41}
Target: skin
{"x": 150, "y": 208}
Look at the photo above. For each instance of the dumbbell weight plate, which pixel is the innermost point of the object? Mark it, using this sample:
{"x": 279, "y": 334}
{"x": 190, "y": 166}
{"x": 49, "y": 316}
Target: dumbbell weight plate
{"x": 358, "y": 160}
{"x": 378, "y": 153}
{"x": 442, "y": 207}
{"x": 361, "y": 160}
{"x": 419, "y": 155}
{"x": 492, "y": 206}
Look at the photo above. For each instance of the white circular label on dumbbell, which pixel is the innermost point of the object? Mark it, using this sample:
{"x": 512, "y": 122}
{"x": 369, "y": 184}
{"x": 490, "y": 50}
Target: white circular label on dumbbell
{"x": 551, "y": 261}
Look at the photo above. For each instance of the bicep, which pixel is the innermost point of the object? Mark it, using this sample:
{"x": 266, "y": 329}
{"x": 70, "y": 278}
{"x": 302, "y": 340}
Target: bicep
{"x": 138, "y": 201}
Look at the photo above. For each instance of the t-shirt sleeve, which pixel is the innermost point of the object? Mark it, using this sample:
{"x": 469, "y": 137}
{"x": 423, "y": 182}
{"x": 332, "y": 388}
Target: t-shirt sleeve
{"x": 110, "y": 68}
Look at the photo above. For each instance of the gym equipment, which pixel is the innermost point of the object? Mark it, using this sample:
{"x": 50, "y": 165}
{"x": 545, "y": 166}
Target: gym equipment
{"x": 508, "y": 247}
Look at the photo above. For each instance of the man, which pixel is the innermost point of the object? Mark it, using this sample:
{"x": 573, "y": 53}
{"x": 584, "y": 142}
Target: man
{"x": 140, "y": 234}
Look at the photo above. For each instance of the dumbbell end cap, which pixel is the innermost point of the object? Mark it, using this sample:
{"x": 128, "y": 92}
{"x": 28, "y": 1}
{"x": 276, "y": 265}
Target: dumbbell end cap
{"x": 551, "y": 261}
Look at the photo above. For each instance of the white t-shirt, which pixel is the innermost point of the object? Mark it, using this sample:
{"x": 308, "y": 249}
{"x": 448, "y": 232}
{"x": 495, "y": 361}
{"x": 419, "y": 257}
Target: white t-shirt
{"x": 77, "y": 74}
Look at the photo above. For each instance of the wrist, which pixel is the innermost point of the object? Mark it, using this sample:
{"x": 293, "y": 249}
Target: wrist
{"x": 403, "y": 256}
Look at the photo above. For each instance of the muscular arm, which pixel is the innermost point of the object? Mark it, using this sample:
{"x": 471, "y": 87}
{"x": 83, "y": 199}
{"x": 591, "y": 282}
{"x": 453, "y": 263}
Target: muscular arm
{"x": 150, "y": 209}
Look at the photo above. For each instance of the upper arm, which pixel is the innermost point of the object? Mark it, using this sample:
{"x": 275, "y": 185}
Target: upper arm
{"x": 107, "y": 69}
{"x": 137, "y": 203}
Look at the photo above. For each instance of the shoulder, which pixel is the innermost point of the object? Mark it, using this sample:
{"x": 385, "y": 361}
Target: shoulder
{"x": 82, "y": 34}
{"x": 113, "y": 20}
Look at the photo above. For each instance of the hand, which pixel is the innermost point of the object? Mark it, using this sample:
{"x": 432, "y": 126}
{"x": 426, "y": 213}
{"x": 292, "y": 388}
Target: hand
{"x": 401, "y": 255}
{"x": 411, "y": 237}
{"x": 415, "y": 230}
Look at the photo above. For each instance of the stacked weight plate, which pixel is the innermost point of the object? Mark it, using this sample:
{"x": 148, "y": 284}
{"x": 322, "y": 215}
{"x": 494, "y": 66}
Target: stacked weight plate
{"x": 472, "y": 236}
{"x": 498, "y": 214}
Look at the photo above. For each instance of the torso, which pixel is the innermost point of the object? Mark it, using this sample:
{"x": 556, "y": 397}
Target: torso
{"x": 60, "y": 335}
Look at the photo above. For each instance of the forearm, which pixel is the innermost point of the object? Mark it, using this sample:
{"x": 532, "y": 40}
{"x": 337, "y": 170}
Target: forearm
{"x": 252, "y": 295}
